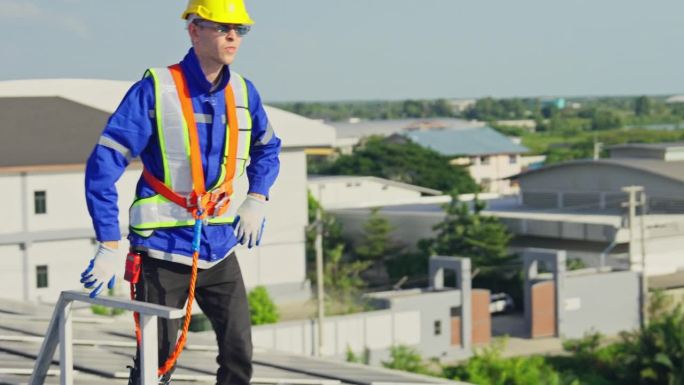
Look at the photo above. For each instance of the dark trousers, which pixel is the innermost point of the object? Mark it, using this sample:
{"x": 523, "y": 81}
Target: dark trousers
{"x": 220, "y": 293}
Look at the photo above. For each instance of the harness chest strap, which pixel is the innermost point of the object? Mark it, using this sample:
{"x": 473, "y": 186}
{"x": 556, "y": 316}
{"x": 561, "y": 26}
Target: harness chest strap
{"x": 216, "y": 202}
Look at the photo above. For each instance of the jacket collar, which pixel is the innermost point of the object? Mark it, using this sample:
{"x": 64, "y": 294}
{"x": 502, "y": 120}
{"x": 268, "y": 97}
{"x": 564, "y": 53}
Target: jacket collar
{"x": 196, "y": 78}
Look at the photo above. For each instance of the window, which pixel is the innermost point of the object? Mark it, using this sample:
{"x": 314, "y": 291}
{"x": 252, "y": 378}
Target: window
{"x": 484, "y": 160}
{"x": 438, "y": 328}
{"x": 512, "y": 159}
{"x": 40, "y": 202}
{"x": 41, "y": 276}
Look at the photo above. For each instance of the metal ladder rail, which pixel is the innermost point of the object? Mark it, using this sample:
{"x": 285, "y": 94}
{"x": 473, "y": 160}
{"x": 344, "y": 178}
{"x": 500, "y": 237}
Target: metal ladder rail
{"x": 60, "y": 331}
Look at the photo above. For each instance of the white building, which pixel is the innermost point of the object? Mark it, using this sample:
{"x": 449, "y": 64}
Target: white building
{"x": 49, "y": 128}
{"x": 578, "y": 207}
{"x": 335, "y": 192}
{"x": 490, "y": 157}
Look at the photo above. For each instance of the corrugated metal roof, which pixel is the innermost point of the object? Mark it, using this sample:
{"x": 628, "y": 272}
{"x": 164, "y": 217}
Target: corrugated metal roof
{"x": 471, "y": 141}
{"x": 103, "y": 347}
{"x": 673, "y": 170}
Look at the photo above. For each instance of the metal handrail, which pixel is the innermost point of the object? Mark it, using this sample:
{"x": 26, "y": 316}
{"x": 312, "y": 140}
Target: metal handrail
{"x": 60, "y": 331}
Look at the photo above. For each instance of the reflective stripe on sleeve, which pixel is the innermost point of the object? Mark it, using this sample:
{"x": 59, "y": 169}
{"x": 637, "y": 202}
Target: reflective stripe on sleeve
{"x": 116, "y": 146}
{"x": 267, "y": 136}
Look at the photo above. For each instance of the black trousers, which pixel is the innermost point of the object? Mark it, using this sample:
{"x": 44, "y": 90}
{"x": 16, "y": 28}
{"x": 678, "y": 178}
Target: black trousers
{"x": 220, "y": 293}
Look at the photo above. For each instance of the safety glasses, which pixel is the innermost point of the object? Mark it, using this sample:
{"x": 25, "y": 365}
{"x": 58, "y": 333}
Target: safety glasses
{"x": 222, "y": 29}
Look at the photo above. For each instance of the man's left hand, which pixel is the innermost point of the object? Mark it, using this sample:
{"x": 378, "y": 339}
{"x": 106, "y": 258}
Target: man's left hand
{"x": 250, "y": 221}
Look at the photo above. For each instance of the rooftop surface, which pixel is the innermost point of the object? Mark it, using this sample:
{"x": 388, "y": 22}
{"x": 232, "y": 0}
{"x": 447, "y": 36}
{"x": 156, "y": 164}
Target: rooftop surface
{"x": 103, "y": 346}
{"x": 466, "y": 141}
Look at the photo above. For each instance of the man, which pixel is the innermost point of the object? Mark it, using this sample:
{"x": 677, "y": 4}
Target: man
{"x": 194, "y": 125}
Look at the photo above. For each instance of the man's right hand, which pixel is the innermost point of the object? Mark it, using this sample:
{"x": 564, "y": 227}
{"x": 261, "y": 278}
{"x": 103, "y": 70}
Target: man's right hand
{"x": 102, "y": 269}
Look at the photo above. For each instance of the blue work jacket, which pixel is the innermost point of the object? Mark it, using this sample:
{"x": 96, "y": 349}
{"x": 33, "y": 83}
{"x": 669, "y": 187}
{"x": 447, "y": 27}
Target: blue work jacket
{"x": 131, "y": 132}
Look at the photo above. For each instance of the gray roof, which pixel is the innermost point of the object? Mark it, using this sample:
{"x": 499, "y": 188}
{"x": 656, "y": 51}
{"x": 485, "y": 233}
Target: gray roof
{"x": 660, "y": 146}
{"x": 47, "y": 131}
{"x": 472, "y": 141}
{"x": 103, "y": 346}
{"x": 673, "y": 170}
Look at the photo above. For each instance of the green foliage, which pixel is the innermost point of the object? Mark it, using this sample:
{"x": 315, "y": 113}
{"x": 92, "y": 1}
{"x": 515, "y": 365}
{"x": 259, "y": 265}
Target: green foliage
{"x": 341, "y": 279}
{"x": 105, "y": 310}
{"x": 364, "y": 358}
{"x": 576, "y": 264}
{"x": 403, "y": 161}
{"x": 262, "y": 310}
{"x": 332, "y": 231}
{"x": 606, "y": 120}
{"x": 655, "y": 355}
{"x": 482, "y": 238}
{"x": 407, "y": 359}
{"x": 338, "y": 111}
{"x": 497, "y": 109}
{"x": 643, "y": 106}
{"x": 343, "y": 284}
{"x": 489, "y": 368}
{"x": 376, "y": 243}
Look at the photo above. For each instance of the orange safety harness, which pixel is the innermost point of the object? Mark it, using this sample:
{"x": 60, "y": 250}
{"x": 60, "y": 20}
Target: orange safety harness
{"x": 199, "y": 203}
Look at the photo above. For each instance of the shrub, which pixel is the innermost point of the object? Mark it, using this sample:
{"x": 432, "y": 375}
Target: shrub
{"x": 262, "y": 310}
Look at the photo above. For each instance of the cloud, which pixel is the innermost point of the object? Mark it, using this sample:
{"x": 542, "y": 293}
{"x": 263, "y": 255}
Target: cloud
{"x": 13, "y": 10}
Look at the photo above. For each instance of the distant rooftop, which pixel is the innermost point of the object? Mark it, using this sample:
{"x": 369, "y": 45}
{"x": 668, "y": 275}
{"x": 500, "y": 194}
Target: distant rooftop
{"x": 352, "y": 178}
{"x": 394, "y": 126}
{"x": 671, "y": 170}
{"x": 672, "y": 151}
{"x": 466, "y": 141}
{"x": 38, "y": 114}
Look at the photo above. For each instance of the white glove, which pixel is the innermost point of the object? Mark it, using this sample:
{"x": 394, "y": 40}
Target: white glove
{"x": 101, "y": 270}
{"x": 250, "y": 221}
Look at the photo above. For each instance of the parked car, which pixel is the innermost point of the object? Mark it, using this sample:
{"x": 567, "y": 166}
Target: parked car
{"x": 500, "y": 303}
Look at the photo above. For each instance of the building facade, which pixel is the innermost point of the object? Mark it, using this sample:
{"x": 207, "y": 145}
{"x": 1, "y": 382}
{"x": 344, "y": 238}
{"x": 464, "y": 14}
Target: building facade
{"x": 47, "y": 239}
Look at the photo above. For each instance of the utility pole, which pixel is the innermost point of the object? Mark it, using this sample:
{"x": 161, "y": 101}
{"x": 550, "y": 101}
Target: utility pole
{"x": 319, "y": 274}
{"x": 632, "y": 204}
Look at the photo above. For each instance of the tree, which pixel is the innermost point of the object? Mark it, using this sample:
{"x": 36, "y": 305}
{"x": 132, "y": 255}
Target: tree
{"x": 343, "y": 282}
{"x": 376, "y": 243}
{"x": 399, "y": 159}
{"x": 643, "y": 106}
{"x": 606, "y": 120}
{"x": 332, "y": 230}
{"x": 262, "y": 310}
{"x": 483, "y": 239}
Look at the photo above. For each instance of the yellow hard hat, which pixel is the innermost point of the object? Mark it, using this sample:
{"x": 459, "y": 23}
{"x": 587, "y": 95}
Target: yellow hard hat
{"x": 219, "y": 11}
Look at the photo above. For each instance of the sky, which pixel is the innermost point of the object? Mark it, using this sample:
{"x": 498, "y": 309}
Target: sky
{"x": 334, "y": 50}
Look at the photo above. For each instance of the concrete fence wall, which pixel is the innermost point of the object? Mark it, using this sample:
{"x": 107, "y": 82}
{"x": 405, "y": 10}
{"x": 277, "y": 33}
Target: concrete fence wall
{"x": 376, "y": 331}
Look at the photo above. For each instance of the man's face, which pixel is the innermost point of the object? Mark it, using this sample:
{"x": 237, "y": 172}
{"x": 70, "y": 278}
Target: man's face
{"x": 216, "y": 43}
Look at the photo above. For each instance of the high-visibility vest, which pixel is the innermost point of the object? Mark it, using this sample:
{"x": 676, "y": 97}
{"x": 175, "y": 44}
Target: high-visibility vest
{"x": 183, "y": 181}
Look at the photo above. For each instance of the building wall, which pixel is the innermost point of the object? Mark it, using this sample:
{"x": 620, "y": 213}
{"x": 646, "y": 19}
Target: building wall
{"x": 596, "y": 177}
{"x": 603, "y": 302}
{"x": 337, "y": 193}
{"x": 10, "y": 185}
{"x": 377, "y": 331}
{"x": 278, "y": 264}
{"x": 65, "y": 260}
{"x": 433, "y": 307}
{"x": 12, "y": 272}
{"x": 490, "y": 171}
